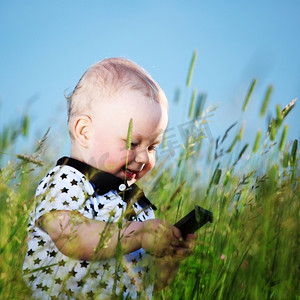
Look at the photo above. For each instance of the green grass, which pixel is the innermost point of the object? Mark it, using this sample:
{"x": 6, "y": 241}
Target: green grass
{"x": 250, "y": 251}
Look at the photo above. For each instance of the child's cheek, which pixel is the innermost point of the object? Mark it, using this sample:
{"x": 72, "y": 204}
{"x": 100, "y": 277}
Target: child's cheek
{"x": 149, "y": 166}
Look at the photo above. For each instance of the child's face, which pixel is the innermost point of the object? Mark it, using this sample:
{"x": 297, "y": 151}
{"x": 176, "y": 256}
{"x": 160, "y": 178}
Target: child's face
{"x": 107, "y": 149}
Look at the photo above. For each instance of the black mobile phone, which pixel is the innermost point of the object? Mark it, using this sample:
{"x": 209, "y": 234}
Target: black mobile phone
{"x": 194, "y": 220}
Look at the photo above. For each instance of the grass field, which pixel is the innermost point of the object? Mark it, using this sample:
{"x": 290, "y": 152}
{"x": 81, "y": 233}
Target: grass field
{"x": 250, "y": 251}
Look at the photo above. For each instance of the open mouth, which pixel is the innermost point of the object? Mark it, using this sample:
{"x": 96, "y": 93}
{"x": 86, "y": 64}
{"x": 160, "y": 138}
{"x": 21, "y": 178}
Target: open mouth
{"x": 129, "y": 174}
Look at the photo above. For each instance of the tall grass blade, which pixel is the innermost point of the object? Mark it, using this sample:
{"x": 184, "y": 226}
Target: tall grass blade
{"x": 288, "y": 108}
{"x": 25, "y": 125}
{"x": 227, "y": 131}
{"x": 42, "y": 141}
{"x": 273, "y": 130}
{"x": 283, "y": 138}
{"x": 266, "y": 101}
{"x": 128, "y": 147}
{"x": 286, "y": 156}
{"x": 257, "y": 141}
{"x": 192, "y": 106}
{"x": 129, "y": 136}
{"x": 279, "y": 115}
{"x": 293, "y": 156}
{"x": 241, "y": 154}
{"x": 236, "y": 139}
{"x": 201, "y": 99}
{"x": 251, "y": 88}
{"x": 294, "y": 160}
{"x": 30, "y": 159}
{"x": 217, "y": 176}
{"x": 213, "y": 178}
{"x": 191, "y": 69}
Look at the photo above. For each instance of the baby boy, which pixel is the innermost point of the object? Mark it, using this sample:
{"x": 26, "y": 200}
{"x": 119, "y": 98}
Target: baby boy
{"x": 93, "y": 233}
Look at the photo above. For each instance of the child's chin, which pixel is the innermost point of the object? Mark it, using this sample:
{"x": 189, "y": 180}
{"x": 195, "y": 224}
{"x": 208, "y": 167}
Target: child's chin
{"x": 131, "y": 181}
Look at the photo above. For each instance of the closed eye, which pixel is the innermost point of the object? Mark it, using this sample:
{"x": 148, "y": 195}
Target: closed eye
{"x": 134, "y": 145}
{"x": 152, "y": 148}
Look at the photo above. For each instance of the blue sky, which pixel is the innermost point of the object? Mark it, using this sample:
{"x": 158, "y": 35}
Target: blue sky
{"x": 47, "y": 45}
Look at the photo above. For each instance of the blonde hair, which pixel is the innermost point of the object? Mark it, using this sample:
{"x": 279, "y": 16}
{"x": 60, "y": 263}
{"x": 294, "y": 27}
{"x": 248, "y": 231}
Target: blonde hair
{"x": 107, "y": 77}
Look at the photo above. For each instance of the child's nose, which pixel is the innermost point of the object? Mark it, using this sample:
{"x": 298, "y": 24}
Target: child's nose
{"x": 142, "y": 156}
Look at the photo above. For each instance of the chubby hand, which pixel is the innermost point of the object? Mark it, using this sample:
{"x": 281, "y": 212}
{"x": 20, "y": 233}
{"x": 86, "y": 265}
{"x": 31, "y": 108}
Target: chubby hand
{"x": 160, "y": 238}
{"x": 184, "y": 249}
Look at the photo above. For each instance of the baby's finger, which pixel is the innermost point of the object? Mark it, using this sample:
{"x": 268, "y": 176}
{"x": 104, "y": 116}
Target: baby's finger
{"x": 177, "y": 233}
{"x": 182, "y": 253}
{"x": 191, "y": 236}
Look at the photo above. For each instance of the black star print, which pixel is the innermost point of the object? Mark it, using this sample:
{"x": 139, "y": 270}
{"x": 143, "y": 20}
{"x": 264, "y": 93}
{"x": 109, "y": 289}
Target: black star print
{"x": 106, "y": 266}
{"x": 92, "y": 206}
{"x": 52, "y": 185}
{"x": 39, "y": 286}
{"x": 52, "y": 173}
{"x": 26, "y": 271}
{"x": 41, "y": 209}
{"x": 103, "y": 285}
{"x": 52, "y": 253}
{"x": 132, "y": 280}
{"x": 32, "y": 278}
{"x": 124, "y": 288}
{"x": 49, "y": 271}
{"x": 30, "y": 252}
{"x": 86, "y": 209}
{"x": 80, "y": 283}
{"x": 134, "y": 261}
{"x": 73, "y": 273}
{"x": 100, "y": 206}
{"x": 74, "y": 198}
{"x": 74, "y": 182}
{"x": 45, "y": 288}
{"x": 63, "y": 176}
{"x": 120, "y": 205}
{"x": 140, "y": 274}
{"x": 125, "y": 269}
{"x": 117, "y": 276}
{"x": 107, "y": 197}
{"x": 61, "y": 263}
{"x": 64, "y": 190}
{"x": 37, "y": 261}
{"x": 41, "y": 243}
{"x": 84, "y": 264}
{"x": 69, "y": 293}
{"x": 90, "y": 294}
{"x": 94, "y": 274}
{"x": 45, "y": 185}
{"x": 66, "y": 203}
{"x": 146, "y": 213}
{"x": 58, "y": 281}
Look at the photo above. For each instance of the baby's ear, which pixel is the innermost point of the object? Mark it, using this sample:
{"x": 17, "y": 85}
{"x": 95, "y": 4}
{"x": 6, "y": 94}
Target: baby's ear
{"x": 82, "y": 127}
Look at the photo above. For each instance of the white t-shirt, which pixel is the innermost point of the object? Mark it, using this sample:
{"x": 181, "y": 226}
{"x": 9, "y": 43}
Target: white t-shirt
{"x": 51, "y": 274}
